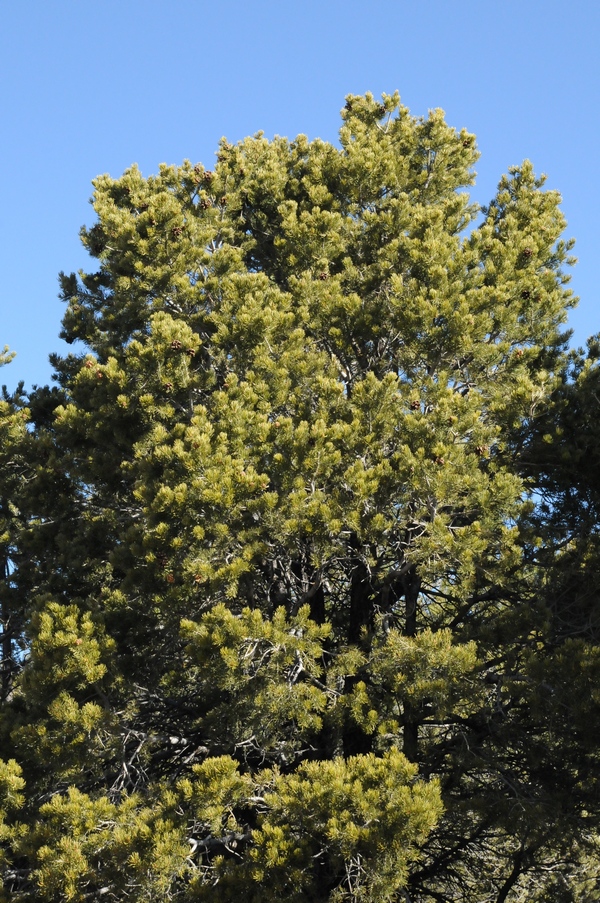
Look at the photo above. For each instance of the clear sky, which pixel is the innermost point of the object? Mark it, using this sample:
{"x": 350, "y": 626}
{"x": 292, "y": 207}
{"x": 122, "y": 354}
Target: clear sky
{"x": 89, "y": 87}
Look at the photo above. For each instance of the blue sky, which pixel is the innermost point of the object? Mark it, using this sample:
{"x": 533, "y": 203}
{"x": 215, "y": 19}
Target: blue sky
{"x": 93, "y": 87}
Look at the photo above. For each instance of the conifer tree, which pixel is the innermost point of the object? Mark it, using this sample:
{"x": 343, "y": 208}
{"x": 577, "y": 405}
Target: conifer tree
{"x": 286, "y": 623}
{"x": 14, "y": 472}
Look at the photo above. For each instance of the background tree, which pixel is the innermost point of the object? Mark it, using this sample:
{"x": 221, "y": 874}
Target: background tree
{"x": 12, "y": 429}
{"x": 289, "y": 635}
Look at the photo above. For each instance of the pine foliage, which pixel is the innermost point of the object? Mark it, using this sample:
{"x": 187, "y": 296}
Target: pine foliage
{"x": 298, "y": 600}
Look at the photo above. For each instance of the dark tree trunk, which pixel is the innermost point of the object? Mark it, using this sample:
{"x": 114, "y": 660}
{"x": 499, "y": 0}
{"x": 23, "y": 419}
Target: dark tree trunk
{"x": 317, "y": 605}
{"x": 361, "y": 601}
{"x": 412, "y": 587}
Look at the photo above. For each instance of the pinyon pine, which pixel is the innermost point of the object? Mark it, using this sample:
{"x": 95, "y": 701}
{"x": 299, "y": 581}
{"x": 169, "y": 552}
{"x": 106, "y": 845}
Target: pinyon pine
{"x": 298, "y": 604}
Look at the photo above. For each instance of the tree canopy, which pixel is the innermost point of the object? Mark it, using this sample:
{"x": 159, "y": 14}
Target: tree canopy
{"x": 299, "y": 597}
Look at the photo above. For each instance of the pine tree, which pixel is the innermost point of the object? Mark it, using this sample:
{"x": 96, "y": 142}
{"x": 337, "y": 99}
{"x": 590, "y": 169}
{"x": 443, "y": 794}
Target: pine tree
{"x": 13, "y": 419}
{"x": 287, "y": 637}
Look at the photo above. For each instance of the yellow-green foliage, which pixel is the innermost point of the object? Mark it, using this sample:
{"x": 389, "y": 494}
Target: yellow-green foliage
{"x": 341, "y": 830}
{"x": 83, "y": 847}
{"x": 299, "y": 553}
{"x": 269, "y": 669}
{"x": 64, "y": 675}
{"x": 12, "y": 798}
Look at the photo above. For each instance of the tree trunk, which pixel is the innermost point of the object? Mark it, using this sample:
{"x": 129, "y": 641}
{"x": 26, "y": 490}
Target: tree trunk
{"x": 361, "y": 603}
{"x": 412, "y": 586}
